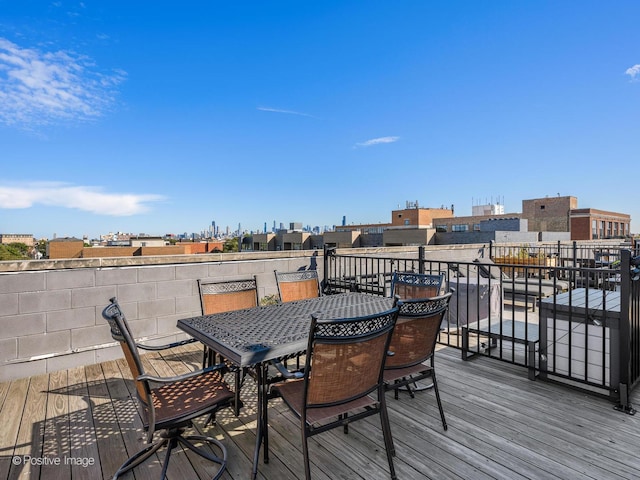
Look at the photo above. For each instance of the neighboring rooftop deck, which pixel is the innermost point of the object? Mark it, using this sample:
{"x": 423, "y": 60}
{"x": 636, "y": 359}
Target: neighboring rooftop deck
{"x": 501, "y": 426}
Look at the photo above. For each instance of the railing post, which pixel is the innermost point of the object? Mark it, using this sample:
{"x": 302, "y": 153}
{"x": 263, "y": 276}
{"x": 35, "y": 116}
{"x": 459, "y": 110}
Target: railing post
{"x": 421, "y": 259}
{"x": 575, "y": 254}
{"x": 327, "y": 252}
{"x": 624, "y": 347}
{"x": 491, "y": 248}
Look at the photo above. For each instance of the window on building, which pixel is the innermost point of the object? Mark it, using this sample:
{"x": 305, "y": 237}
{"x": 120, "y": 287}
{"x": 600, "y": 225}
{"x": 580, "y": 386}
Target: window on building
{"x": 407, "y": 221}
{"x": 460, "y": 228}
{"x": 541, "y": 207}
{"x": 476, "y": 227}
{"x": 441, "y": 228}
{"x": 609, "y": 228}
{"x": 594, "y": 229}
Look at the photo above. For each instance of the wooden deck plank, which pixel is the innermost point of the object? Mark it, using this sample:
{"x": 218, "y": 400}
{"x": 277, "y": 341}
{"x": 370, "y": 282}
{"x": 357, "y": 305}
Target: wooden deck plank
{"x": 11, "y": 415}
{"x": 56, "y": 428}
{"x": 29, "y": 442}
{"x": 501, "y": 425}
{"x": 111, "y": 448}
{"x": 83, "y": 442}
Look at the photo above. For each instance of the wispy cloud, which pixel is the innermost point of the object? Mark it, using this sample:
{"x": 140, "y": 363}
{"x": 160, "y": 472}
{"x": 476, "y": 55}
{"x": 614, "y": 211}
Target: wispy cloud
{"x": 279, "y": 110}
{"x": 40, "y": 88}
{"x": 377, "y": 141}
{"x": 90, "y": 199}
{"x": 633, "y": 72}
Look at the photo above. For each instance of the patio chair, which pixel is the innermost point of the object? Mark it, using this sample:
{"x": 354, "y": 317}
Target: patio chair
{"x": 297, "y": 285}
{"x": 174, "y": 404}
{"x": 416, "y": 285}
{"x": 412, "y": 346}
{"x": 343, "y": 379}
{"x": 225, "y": 296}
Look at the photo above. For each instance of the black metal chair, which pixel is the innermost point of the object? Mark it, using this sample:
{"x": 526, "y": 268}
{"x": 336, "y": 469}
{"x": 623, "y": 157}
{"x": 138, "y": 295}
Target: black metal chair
{"x": 174, "y": 403}
{"x": 225, "y": 296}
{"x": 416, "y": 285}
{"x": 412, "y": 346}
{"x": 343, "y": 378}
{"x": 297, "y": 285}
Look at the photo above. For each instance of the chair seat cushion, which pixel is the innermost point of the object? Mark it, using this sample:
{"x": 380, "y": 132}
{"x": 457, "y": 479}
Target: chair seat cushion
{"x": 292, "y": 392}
{"x": 187, "y": 399}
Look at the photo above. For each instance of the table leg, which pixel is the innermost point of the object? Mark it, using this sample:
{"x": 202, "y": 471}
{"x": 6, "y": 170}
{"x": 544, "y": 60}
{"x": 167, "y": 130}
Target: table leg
{"x": 262, "y": 435}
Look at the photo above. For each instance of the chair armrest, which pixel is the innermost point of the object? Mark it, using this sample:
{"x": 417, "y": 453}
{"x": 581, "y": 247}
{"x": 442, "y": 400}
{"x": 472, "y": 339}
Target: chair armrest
{"x": 178, "y": 378}
{"x": 285, "y": 372}
{"x": 165, "y": 347}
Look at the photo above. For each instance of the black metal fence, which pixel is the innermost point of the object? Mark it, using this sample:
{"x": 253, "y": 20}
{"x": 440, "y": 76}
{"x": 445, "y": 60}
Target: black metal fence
{"x": 569, "y": 313}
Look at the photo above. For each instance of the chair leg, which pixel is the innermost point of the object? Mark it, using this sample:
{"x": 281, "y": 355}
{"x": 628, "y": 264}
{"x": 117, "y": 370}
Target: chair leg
{"x": 435, "y": 389}
{"x": 222, "y": 461}
{"x": 305, "y": 453}
{"x": 386, "y": 433}
{"x": 173, "y": 442}
{"x": 139, "y": 457}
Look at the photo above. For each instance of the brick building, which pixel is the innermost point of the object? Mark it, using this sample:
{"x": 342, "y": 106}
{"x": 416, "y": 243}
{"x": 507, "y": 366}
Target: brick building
{"x": 550, "y": 214}
{"x": 6, "y": 238}
{"x": 65, "y": 247}
{"x": 593, "y": 224}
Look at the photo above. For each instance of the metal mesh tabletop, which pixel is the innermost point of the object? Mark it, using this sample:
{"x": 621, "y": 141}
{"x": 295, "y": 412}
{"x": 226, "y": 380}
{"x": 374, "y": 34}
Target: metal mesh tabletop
{"x": 255, "y": 335}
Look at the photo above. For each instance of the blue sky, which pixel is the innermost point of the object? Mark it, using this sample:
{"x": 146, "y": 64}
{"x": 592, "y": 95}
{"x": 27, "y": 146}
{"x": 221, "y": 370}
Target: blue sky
{"x": 160, "y": 117}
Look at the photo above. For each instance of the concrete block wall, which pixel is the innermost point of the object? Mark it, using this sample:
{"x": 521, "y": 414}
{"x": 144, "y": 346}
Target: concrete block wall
{"x": 51, "y": 319}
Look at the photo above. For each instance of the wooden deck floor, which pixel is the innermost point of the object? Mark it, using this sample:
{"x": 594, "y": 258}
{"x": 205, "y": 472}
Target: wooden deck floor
{"x": 501, "y": 426}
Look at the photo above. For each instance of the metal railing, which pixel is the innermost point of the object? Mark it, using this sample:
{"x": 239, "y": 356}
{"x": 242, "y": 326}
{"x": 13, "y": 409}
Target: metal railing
{"x": 574, "y": 322}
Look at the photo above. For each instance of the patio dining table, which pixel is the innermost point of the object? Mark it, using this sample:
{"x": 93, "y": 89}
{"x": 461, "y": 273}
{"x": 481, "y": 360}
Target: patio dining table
{"x": 254, "y": 337}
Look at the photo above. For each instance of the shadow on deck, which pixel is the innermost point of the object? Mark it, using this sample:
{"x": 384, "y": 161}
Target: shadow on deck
{"x": 83, "y": 423}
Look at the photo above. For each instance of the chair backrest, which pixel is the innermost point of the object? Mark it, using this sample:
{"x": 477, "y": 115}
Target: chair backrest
{"x": 297, "y": 285}
{"x": 226, "y": 296}
{"x": 121, "y": 332}
{"x": 346, "y": 357}
{"x": 408, "y": 285}
{"x": 414, "y": 338}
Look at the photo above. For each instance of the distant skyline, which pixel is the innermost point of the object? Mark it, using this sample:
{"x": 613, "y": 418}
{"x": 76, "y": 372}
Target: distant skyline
{"x": 162, "y": 117}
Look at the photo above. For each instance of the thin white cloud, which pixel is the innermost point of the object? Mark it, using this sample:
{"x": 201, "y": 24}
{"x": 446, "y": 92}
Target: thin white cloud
{"x": 377, "y": 141}
{"x": 40, "y": 88}
{"x": 633, "y": 72}
{"x": 279, "y": 110}
{"x": 90, "y": 199}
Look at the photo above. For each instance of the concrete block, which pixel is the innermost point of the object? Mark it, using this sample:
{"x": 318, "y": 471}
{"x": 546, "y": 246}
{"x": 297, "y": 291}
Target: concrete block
{"x": 192, "y": 271}
{"x": 22, "y": 282}
{"x": 188, "y": 306}
{"x": 168, "y": 325}
{"x": 90, "y": 336}
{"x": 156, "y": 273}
{"x": 176, "y": 288}
{"x": 14, "y": 371}
{"x": 65, "y": 362}
{"x": 63, "y": 279}
{"x": 251, "y": 268}
{"x": 137, "y": 292}
{"x": 8, "y": 349}
{"x": 20, "y": 325}
{"x": 147, "y": 327}
{"x": 221, "y": 270}
{"x": 45, "y": 343}
{"x": 92, "y": 297}
{"x": 156, "y": 308}
{"x": 32, "y": 302}
{"x": 9, "y": 304}
{"x": 70, "y": 319}
{"x": 116, "y": 276}
{"x": 108, "y": 354}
